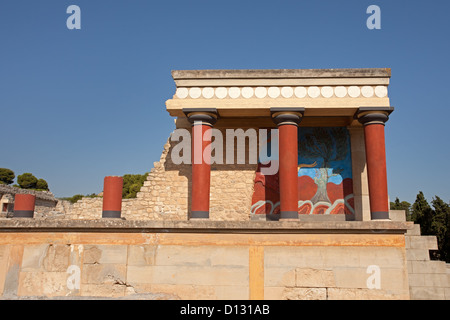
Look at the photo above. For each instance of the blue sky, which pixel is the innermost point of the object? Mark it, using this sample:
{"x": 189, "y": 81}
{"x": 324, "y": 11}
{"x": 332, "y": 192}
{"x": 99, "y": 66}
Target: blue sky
{"x": 78, "y": 105}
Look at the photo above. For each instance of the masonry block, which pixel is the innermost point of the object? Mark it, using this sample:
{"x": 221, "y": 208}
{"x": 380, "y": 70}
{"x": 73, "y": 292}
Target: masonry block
{"x": 103, "y": 273}
{"x": 423, "y": 242}
{"x": 432, "y": 266}
{"x": 279, "y": 277}
{"x": 143, "y": 255}
{"x": 314, "y": 278}
{"x": 304, "y": 294}
{"x": 427, "y": 293}
{"x": 417, "y": 254}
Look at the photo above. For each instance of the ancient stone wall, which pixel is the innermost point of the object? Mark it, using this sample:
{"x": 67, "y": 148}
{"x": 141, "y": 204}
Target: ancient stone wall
{"x": 45, "y": 200}
{"x": 428, "y": 279}
{"x": 166, "y": 193}
{"x": 202, "y": 260}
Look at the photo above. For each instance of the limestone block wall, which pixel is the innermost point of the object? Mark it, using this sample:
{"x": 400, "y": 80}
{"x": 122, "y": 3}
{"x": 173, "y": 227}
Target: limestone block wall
{"x": 45, "y": 200}
{"x": 428, "y": 279}
{"x": 91, "y": 208}
{"x": 126, "y": 259}
{"x": 166, "y": 193}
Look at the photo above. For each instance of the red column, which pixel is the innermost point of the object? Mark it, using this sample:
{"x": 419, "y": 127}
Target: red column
{"x": 112, "y": 197}
{"x": 374, "y": 122}
{"x": 24, "y": 205}
{"x": 202, "y": 120}
{"x": 287, "y": 121}
{"x": 376, "y": 170}
{"x": 201, "y": 171}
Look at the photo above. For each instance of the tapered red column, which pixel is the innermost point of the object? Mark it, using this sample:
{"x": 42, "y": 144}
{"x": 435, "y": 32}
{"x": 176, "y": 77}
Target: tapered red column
{"x": 287, "y": 121}
{"x": 112, "y": 197}
{"x": 24, "y": 205}
{"x": 374, "y": 121}
{"x": 202, "y": 120}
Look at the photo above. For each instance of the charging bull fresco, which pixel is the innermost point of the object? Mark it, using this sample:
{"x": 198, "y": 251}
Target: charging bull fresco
{"x": 325, "y": 183}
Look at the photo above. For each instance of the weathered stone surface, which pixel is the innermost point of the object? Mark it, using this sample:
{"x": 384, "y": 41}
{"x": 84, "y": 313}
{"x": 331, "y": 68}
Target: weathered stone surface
{"x": 428, "y": 267}
{"x": 314, "y": 278}
{"x": 143, "y": 255}
{"x": 43, "y": 283}
{"x": 103, "y": 273}
{"x": 57, "y": 258}
{"x": 365, "y": 294}
{"x": 33, "y": 256}
{"x": 304, "y": 294}
{"x": 92, "y": 254}
{"x": 427, "y": 293}
{"x": 279, "y": 277}
{"x": 423, "y": 242}
{"x": 381, "y": 227}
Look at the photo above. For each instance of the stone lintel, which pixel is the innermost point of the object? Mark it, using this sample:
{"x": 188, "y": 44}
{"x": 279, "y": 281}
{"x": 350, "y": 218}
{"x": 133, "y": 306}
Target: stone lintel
{"x": 203, "y": 226}
{"x": 282, "y": 73}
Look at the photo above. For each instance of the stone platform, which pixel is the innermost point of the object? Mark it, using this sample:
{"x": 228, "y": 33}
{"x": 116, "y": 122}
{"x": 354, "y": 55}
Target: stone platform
{"x": 203, "y": 259}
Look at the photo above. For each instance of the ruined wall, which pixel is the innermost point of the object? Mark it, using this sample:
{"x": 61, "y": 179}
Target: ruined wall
{"x": 45, "y": 200}
{"x": 166, "y": 193}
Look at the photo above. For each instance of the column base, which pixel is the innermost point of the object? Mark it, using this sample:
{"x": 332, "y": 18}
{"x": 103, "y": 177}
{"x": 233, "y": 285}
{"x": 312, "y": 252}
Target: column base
{"x": 379, "y": 215}
{"x": 110, "y": 214}
{"x": 199, "y": 214}
{"x": 288, "y": 215}
{"x": 23, "y": 214}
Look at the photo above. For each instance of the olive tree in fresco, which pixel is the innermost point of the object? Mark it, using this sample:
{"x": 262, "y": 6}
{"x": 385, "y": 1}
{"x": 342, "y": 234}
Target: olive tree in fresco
{"x": 329, "y": 145}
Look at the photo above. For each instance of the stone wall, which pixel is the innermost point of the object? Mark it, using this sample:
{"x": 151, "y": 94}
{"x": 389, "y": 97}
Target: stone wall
{"x": 201, "y": 259}
{"x": 166, "y": 193}
{"x": 428, "y": 279}
{"x": 45, "y": 200}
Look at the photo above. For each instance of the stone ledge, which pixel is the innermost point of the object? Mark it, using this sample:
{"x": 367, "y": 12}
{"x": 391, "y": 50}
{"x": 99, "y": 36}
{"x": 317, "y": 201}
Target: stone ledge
{"x": 40, "y": 195}
{"x": 203, "y": 226}
{"x": 281, "y": 73}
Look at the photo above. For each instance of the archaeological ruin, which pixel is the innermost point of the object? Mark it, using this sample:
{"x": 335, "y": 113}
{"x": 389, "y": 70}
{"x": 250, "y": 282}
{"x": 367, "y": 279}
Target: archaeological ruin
{"x": 272, "y": 185}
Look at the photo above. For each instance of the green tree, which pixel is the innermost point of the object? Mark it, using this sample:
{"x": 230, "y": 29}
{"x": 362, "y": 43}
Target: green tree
{"x": 132, "y": 183}
{"x": 440, "y": 227}
{"x": 42, "y": 185}
{"x": 77, "y": 197}
{"x": 404, "y": 205}
{"x": 422, "y": 214}
{"x": 6, "y": 176}
{"x": 27, "y": 181}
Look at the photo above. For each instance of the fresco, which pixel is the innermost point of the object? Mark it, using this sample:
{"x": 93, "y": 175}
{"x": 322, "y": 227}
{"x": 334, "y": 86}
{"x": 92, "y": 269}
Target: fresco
{"x": 325, "y": 183}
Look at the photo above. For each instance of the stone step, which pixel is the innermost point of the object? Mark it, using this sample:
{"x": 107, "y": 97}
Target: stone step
{"x": 414, "y": 231}
{"x": 421, "y": 242}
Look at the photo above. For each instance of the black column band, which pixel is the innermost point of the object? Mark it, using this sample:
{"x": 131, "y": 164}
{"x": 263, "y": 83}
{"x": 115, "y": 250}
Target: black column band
{"x": 288, "y": 215}
{"x": 23, "y": 214}
{"x": 110, "y": 214}
{"x": 199, "y": 214}
{"x": 379, "y": 215}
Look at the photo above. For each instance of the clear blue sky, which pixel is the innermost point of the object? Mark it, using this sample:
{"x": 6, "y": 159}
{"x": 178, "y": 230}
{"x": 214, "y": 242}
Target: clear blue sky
{"x": 78, "y": 105}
